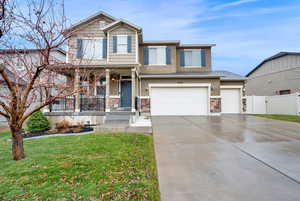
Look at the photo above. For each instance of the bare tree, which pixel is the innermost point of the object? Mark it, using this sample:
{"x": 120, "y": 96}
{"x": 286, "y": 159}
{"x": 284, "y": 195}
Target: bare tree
{"x": 6, "y": 15}
{"x": 38, "y": 24}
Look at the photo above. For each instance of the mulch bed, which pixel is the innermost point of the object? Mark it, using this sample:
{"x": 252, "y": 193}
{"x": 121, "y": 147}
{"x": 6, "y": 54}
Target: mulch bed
{"x": 69, "y": 131}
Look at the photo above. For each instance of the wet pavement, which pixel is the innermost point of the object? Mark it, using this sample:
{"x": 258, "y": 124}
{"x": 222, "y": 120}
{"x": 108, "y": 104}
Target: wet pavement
{"x": 227, "y": 158}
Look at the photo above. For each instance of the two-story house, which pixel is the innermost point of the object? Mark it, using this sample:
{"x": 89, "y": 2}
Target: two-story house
{"x": 159, "y": 77}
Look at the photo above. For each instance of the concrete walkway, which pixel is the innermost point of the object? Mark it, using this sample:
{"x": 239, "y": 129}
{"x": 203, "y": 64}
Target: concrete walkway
{"x": 227, "y": 158}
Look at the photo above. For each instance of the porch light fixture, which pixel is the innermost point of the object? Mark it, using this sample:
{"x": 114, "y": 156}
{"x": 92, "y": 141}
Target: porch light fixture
{"x": 115, "y": 78}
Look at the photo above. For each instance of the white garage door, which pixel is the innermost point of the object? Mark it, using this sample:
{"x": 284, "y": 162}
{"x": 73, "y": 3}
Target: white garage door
{"x": 230, "y": 102}
{"x": 179, "y": 101}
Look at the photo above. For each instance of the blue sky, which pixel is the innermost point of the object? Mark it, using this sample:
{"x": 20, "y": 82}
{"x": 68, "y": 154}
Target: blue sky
{"x": 245, "y": 31}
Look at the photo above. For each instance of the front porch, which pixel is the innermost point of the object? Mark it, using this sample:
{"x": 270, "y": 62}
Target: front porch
{"x": 99, "y": 90}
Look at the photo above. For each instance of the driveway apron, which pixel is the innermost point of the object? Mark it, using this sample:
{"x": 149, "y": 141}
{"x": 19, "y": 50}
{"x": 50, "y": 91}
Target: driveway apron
{"x": 227, "y": 158}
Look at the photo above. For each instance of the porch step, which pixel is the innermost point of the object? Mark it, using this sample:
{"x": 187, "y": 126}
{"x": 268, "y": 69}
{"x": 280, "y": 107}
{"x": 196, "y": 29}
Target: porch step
{"x": 120, "y": 113}
{"x": 124, "y": 109}
{"x": 111, "y": 128}
{"x": 119, "y": 118}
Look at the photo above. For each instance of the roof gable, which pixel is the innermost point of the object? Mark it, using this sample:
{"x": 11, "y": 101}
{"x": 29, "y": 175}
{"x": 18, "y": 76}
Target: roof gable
{"x": 90, "y": 19}
{"x": 120, "y": 22}
{"x": 276, "y": 56}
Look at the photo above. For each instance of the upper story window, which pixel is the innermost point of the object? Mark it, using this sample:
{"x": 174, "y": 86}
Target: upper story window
{"x": 91, "y": 48}
{"x": 122, "y": 44}
{"x": 193, "y": 58}
{"x": 157, "y": 55}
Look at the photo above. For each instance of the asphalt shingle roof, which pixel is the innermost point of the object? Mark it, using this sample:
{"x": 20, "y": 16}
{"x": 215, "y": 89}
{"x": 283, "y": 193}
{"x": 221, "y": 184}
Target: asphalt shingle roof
{"x": 224, "y": 75}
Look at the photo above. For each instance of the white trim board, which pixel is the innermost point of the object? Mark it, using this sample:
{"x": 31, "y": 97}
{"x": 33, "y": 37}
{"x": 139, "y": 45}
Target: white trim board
{"x": 180, "y": 85}
{"x": 114, "y": 96}
{"x": 231, "y": 86}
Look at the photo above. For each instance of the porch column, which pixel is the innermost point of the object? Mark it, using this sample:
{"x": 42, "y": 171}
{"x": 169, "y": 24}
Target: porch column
{"x": 76, "y": 88}
{"x": 133, "y": 90}
{"x": 107, "y": 80}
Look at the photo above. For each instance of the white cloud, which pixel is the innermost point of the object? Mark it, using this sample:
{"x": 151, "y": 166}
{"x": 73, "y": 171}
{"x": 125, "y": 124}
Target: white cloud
{"x": 231, "y": 4}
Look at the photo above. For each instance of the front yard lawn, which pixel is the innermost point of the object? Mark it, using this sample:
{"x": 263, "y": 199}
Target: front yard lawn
{"x": 292, "y": 118}
{"x": 92, "y": 167}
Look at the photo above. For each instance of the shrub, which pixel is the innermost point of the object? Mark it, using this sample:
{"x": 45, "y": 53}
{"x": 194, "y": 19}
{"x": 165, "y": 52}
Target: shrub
{"x": 37, "y": 122}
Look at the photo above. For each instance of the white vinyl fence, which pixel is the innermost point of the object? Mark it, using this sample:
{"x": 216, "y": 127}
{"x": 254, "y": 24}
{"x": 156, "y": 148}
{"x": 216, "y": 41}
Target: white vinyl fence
{"x": 283, "y": 104}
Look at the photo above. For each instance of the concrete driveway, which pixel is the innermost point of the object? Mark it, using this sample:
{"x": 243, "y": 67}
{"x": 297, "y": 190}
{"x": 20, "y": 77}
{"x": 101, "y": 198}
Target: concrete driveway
{"x": 227, "y": 158}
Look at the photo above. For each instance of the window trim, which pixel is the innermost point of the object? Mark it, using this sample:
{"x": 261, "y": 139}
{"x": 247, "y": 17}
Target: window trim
{"x": 122, "y": 53}
{"x": 93, "y": 38}
{"x": 165, "y": 47}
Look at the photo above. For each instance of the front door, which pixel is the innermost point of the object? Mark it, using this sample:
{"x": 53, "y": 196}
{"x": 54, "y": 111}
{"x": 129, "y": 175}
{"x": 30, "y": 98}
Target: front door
{"x": 125, "y": 93}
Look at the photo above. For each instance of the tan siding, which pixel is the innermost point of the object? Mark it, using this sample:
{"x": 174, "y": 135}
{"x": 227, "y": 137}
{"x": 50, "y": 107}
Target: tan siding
{"x": 279, "y": 74}
{"x": 232, "y": 82}
{"x": 215, "y": 83}
{"x": 122, "y": 58}
{"x": 158, "y": 68}
{"x": 197, "y": 69}
{"x": 267, "y": 85}
{"x": 277, "y": 65}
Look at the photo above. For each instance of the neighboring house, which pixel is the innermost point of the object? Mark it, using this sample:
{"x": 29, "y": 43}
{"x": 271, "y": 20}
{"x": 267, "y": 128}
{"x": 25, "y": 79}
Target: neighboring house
{"x": 276, "y": 75}
{"x": 4, "y": 90}
{"x": 162, "y": 77}
{"x": 19, "y": 59}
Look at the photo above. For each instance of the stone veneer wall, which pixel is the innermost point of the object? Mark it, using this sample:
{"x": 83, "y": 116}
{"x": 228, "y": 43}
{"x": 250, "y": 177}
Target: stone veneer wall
{"x": 114, "y": 103}
{"x": 144, "y": 105}
{"x": 75, "y": 119}
{"x": 244, "y": 104}
{"x": 215, "y": 105}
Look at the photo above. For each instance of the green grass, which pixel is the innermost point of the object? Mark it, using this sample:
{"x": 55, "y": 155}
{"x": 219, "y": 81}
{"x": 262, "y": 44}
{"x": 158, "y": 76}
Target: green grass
{"x": 90, "y": 167}
{"x": 291, "y": 118}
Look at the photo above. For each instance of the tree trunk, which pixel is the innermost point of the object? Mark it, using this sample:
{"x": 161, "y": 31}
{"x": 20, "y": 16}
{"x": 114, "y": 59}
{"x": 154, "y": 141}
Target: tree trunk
{"x": 17, "y": 144}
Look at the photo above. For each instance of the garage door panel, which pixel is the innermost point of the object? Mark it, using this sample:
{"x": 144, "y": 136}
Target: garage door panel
{"x": 230, "y": 102}
{"x": 179, "y": 101}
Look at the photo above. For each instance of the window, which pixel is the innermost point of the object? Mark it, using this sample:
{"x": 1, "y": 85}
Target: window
{"x": 92, "y": 48}
{"x": 20, "y": 68}
{"x": 192, "y": 58}
{"x": 157, "y": 55}
{"x": 122, "y": 44}
{"x": 284, "y": 92}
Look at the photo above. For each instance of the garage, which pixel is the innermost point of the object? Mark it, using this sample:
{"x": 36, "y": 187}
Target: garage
{"x": 180, "y": 100}
{"x": 230, "y": 100}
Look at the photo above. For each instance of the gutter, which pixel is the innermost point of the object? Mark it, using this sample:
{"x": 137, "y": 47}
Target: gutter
{"x": 180, "y": 76}
{"x": 233, "y": 79}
